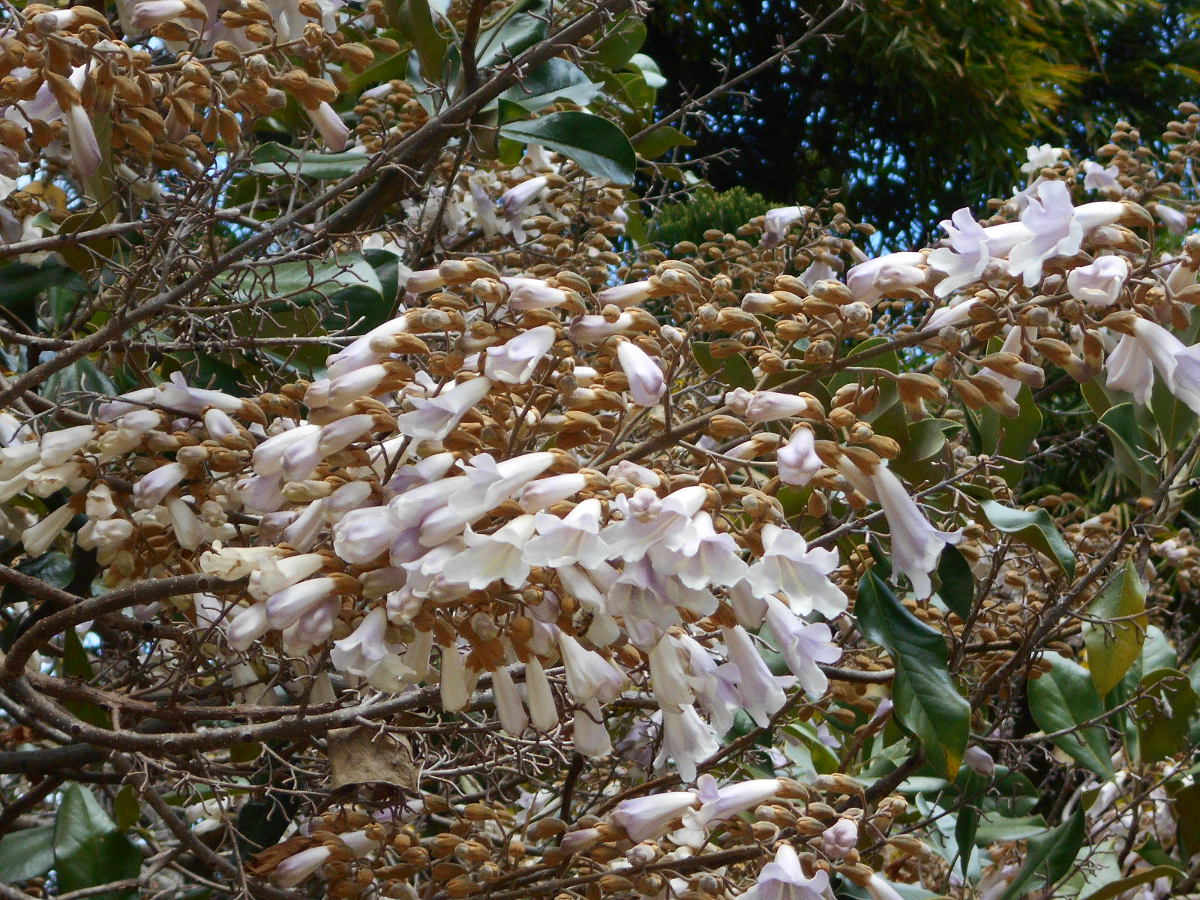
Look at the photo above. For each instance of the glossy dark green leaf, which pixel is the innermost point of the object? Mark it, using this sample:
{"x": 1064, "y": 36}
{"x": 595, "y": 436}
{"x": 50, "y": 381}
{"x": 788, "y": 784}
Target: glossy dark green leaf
{"x": 515, "y": 34}
{"x": 1035, "y": 528}
{"x": 655, "y": 143}
{"x": 599, "y": 146}
{"x": 556, "y": 79}
{"x": 1011, "y": 437}
{"x": 926, "y": 698}
{"x": 620, "y": 43}
{"x": 415, "y": 21}
{"x": 1114, "y": 639}
{"x": 1049, "y": 857}
{"x": 956, "y": 583}
{"x": 971, "y": 786}
{"x": 1064, "y": 698}
{"x": 275, "y": 159}
{"x": 89, "y": 850}
{"x": 26, "y": 854}
{"x": 1163, "y": 713}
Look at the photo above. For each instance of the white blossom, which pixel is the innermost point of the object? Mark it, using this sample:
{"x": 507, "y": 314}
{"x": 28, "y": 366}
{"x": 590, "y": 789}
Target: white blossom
{"x": 646, "y": 382}
{"x": 789, "y": 567}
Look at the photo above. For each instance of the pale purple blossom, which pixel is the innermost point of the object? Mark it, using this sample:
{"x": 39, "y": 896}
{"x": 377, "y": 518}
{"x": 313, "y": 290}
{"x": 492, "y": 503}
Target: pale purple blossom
{"x": 514, "y": 361}
{"x": 687, "y": 739}
{"x": 573, "y": 539}
{"x": 646, "y": 381}
{"x": 895, "y": 273}
{"x": 777, "y": 222}
{"x": 805, "y": 647}
{"x": 1101, "y": 178}
{"x": 435, "y": 418}
{"x": 789, "y": 567}
{"x": 798, "y": 460}
{"x": 647, "y": 818}
{"x": 784, "y": 879}
{"x": 1099, "y": 284}
{"x": 1054, "y": 231}
{"x": 967, "y": 256}
{"x": 916, "y": 544}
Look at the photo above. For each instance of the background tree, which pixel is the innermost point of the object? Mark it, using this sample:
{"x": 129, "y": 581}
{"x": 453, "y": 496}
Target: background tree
{"x": 917, "y": 107}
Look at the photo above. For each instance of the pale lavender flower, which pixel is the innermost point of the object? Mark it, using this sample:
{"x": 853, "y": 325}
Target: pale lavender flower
{"x": 798, "y": 460}
{"x": 435, "y": 418}
{"x": 761, "y": 693}
{"x": 589, "y": 675}
{"x": 916, "y": 544}
{"x": 979, "y": 761}
{"x": 156, "y": 484}
{"x": 514, "y": 361}
{"x": 784, "y": 879}
{"x": 765, "y": 406}
{"x": 1040, "y": 157}
{"x": 967, "y": 256}
{"x": 803, "y": 646}
{"x": 532, "y": 293}
{"x": 789, "y": 567}
{"x": 573, "y": 539}
{"x": 288, "y": 606}
{"x": 1101, "y": 178}
{"x": 704, "y": 558}
{"x": 37, "y": 538}
{"x": 778, "y": 221}
{"x": 1100, "y": 283}
{"x": 890, "y": 274}
{"x": 330, "y": 126}
{"x": 509, "y": 708}
{"x": 497, "y": 556}
{"x": 646, "y": 381}
{"x": 721, "y": 803}
{"x": 544, "y": 492}
{"x": 1175, "y": 220}
{"x": 247, "y": 627}
{"x": 623, "y": 295}
{"x": 687, "y": 739}
{"x": 840, "y": 838}
{"x": 365, "y": 648}
{"x": 1054, "y": 231}
{"x": 515, "y": 199}
{"x": 647, "y": 818}
{"x": 588, "y": 330}
{"x": 1128, "y": 368}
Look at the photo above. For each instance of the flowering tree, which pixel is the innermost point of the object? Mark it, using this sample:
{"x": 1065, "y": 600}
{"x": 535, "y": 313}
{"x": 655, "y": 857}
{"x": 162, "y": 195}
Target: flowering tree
{"x": 385, "y": 516}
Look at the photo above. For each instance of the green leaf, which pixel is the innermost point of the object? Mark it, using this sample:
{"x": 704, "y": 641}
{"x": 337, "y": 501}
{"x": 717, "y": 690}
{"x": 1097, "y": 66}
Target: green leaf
{"x": 1033, "y": 527}
{"x": 26, "y": 854}
{"x": 1163, "y": 714}
{"x": 971, "y": 789}
{"x": 654, "y": 144}
{"x": 1113, "y": 647}
{"x": 89, "y": 849}
{"x": 1011, "y": 437}
{"x": 75, "y": 664}
{"x": 620, "y": 43}
{"x": 127, "y": 808}
{"x": 1065, "y": 697}
{"x": 1050, "y": 856}
{"x": 275, "y": 159}
{"x": 557, "y": 79}
{"x": 1008, "y": 828}
{"x": 649, "y": 70}
{"x": 1129, "y": 442}
{"x": 957, "y": 584}
{"x": 513, "y": 35}
{"x": 415, "y": 22}
{"x": 599, "y": 146}
{"x": 927, "y": 700}
{"x": 1145, "y": 876}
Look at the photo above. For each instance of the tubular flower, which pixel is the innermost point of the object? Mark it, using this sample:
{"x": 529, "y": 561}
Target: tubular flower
{"x": 784, "y": 879}
{"x": 916, "y": 545}
{"x": 646, "y": 382}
